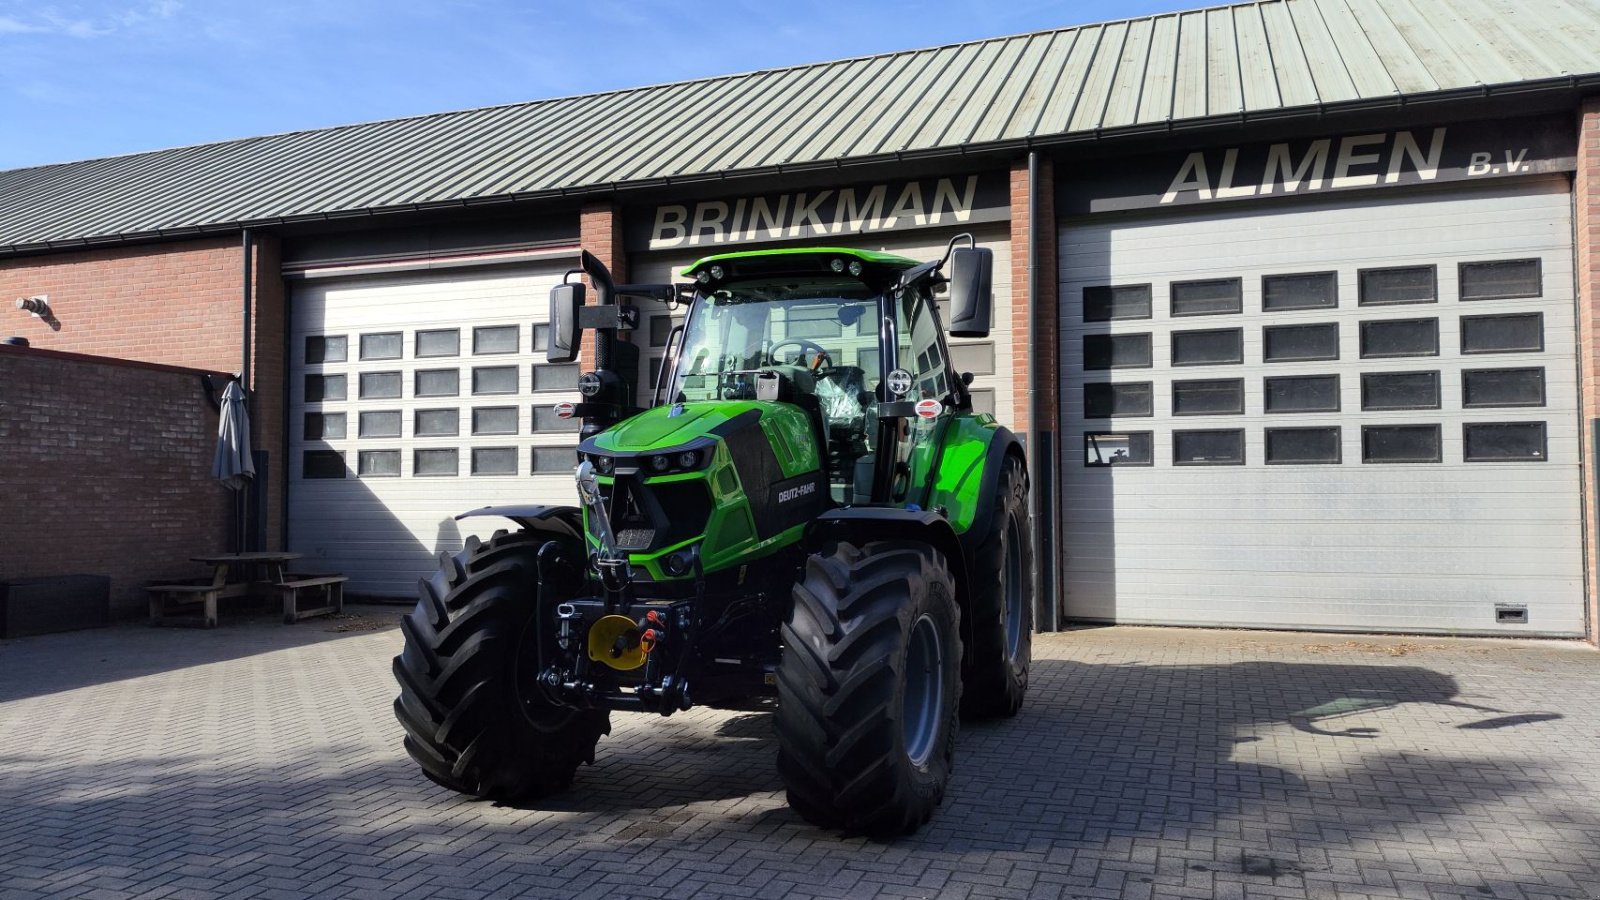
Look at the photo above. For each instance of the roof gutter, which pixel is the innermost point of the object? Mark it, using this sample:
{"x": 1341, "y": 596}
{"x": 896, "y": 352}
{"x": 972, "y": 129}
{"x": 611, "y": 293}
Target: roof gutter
{"x": 1562, "y": 84}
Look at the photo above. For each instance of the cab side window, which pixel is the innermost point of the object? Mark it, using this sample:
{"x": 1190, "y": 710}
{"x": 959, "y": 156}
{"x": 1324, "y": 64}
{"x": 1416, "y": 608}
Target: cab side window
{"x": 920, "y": 353}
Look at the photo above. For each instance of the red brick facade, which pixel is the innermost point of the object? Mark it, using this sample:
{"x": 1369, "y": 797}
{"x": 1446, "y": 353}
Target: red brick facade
{"x": 177, "y": 304}
{"x": 600, "y": 233}
{"x": 1587, "y": 229}
{"x": 1033, "y": 320}
{"x": 107, "y": 471}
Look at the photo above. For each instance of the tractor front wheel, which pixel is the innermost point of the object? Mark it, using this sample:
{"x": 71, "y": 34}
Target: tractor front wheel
{"x": 473, "y": 720}
{"x": 1000, "y": 611}
{"x": 869, "y": 686}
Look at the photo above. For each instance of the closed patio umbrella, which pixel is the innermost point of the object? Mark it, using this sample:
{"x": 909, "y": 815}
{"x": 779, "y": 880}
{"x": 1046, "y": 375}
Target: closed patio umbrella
{"x": 231, "y": 464}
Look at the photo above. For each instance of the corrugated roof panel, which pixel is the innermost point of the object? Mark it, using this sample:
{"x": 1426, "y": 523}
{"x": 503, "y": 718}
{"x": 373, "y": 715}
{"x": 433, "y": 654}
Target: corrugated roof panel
{"x": 981, "y": 103}
{"x": 1257, "y": 75}
{"x": 1091, "y": 109}
{"x": 1017, "y": 100}
{"x": 1224, "y": 94}
{"x": 1296, "y": 87}
{"x": 1155, "y": 101}
{"x": 1256, "y": 56}
{"x": 1367, "y": 69}
{"x": 1190, "y": 80}
{"x": 1322, "y": 55}
{"x": 875, "y": 118}
{"x": 1408, "y": 71}
{"x": 1127, "y": 80}
{"x": 942, "y": 102}
{"x": 1061, "y": 103}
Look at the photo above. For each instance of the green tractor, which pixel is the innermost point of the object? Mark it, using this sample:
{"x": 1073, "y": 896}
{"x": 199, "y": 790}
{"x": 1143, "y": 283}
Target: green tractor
{"x": 808, "y": 510}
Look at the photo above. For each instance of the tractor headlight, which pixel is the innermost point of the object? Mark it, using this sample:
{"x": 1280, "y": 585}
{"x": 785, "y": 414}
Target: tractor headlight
{"x": 659, "y": 464}
{"x": 855, "y": 267}
{"x": 836, "y": 264}
{"x": 602, "y": 464}
{"x": 688, "y": 459}
{"x": 716, "y": 273}
{"x": 704, "y": 277}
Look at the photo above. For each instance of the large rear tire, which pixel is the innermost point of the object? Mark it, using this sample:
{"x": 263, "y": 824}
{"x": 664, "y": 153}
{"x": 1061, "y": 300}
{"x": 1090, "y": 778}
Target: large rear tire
{"x": 473, "y": 722}
{"x": 994, "y": 671}
{"x": 868, "y": 688}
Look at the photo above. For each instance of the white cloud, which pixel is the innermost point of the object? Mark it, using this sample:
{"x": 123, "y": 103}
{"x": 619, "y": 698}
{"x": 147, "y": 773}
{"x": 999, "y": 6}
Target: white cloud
{"x": 52, "y": 20}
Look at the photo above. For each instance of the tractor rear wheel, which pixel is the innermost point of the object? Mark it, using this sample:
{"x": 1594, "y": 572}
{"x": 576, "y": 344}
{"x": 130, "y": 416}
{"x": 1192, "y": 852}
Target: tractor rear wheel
{"x": 868, "y": 687}
{"x": 473, "y": 720}
{"x": 995, "y": 669}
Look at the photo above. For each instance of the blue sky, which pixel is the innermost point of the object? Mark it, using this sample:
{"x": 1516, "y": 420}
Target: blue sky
{"x": 93, "y": 79}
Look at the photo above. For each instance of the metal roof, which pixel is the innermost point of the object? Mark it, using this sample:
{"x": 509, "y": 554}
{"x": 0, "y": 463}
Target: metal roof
{"x": 1227, "y": 63}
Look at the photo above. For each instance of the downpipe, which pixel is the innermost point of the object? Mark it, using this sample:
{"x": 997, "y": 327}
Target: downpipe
{"x": 1041, "y": 453}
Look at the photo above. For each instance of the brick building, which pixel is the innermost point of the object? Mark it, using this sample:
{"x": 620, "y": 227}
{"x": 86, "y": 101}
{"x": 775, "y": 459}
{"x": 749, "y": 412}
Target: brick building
{"x": 1296, "y": 305}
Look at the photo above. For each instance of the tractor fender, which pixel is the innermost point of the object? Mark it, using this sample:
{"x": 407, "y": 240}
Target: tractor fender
{"x": 557, "y": 521}
{"x": 863, "y": 524}
{"x": 1004, "y": 443}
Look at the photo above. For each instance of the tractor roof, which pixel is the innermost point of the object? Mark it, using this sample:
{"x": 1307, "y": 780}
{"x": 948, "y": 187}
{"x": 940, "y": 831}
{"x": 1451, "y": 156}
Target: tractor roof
{"x": 797, "y": 255}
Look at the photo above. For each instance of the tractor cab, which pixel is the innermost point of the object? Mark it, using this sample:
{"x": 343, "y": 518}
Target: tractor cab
{"x": 810, "y": 328}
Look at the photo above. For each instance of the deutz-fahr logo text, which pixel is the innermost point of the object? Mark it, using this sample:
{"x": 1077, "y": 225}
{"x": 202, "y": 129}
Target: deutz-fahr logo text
{"x": 797, "y": 492}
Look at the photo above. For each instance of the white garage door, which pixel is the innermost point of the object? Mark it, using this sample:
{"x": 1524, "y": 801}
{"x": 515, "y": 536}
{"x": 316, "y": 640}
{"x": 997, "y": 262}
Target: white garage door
{"x": 413, "y": 398}
{"x": 1350, "y": 415}
{"x": 988, "y": 359}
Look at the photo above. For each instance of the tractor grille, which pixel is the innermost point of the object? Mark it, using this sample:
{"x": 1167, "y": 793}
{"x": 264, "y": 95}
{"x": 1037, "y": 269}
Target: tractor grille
{"x": 649, "y": 517}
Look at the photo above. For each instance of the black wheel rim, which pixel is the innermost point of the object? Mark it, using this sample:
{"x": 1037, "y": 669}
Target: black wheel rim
{"x": 1011, "y": 588}
{"x": 924, "y": 694}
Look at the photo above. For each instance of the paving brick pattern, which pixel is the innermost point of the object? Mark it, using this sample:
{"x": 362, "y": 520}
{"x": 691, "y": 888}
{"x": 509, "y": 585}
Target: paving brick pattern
{"x": 260, "y": 760}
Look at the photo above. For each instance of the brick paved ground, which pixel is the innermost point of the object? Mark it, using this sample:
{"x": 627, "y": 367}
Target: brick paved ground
{"x": 262, "y": 760}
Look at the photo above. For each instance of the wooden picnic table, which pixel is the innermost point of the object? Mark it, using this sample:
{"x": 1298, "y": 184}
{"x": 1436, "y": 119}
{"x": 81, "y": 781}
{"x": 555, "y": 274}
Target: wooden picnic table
{"x": 251, "y": 574}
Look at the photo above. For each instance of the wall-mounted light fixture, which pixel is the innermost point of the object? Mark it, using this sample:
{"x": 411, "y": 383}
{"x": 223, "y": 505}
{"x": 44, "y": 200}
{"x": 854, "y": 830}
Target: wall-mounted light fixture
{"x": 39, "y": 306}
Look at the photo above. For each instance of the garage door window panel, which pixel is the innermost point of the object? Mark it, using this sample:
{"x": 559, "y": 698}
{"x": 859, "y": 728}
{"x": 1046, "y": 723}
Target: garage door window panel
{"x": 1208, "y": 448}
{"x": 438, "y": 382}
{"x": 1116, "y": 351}
{"x": 541, "y": 338}
{"x": 1504, "y": 442}
{"x": 1482, "y": 388}
{"x": 490, "y": 339}
{"x": 322, "y": 464}
{"x": 494, "y": 461}
{"x": 982, "y": 400}
{"x": 1386, "y": 338}
{"x": 1303, "y": 446}
{"x": 380, "y": 424}
{"x": 380, "y": 385}
{"x": 1118, "y": 448}
{"x": 1300, "y": 343}
{"x": 1301, "y": 394}
{"x": 320, "y": 388}
{"x": 327, "y": 349}
{"x": 1309, "y": 290}
{"x": 1399, "y": 390}
{"x": 660, "y": 329}
{"x": 1103, "y": 401}
{"x": 378, "y": 464}
{"x": 1400, "y": 444}
{"x": 438, "y": 423}
{"x": 494, "y": 420}
{"x": 436, "y": 462}
{"x": 324, "y": 426}
{"x": 1208, "y": 397}
{"x": 1107, "y": 303}
{"x": 438, "y": 342}
{"x": 385, "y": 345}
{"x": 975, "y": 358}
{"x": 555, "y": 378}
{"x": 545, "y": 418}
{"x": 1214, "y": 297}
{"x": 1521, "y": 333}
{"x": 494, "y": 380}
{"x": 553, "y": 460}
{"x": 1222, "y": 346}
{"x": 1509, "y": 279}
{"x": 1399, "y": 285}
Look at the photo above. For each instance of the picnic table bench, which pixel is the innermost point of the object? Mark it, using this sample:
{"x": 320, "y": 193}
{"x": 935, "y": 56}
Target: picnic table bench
{"x": 248, "y": 574}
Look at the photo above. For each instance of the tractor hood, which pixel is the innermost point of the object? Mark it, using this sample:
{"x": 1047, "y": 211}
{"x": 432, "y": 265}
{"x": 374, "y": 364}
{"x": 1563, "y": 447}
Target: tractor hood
{"x": 782, "y": 427}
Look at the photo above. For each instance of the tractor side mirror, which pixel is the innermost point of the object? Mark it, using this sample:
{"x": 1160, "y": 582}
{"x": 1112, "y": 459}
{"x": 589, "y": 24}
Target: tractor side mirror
{"x": 971, "y": 274}
{"x": 565, "y": 333}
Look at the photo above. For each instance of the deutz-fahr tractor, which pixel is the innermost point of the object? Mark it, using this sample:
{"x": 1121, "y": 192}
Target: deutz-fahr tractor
{"x": 808, "y": 509}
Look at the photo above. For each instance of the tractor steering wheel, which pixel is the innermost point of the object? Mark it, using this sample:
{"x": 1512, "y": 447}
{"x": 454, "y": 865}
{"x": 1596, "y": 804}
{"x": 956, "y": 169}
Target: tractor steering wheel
{"x": 805, "y": 346}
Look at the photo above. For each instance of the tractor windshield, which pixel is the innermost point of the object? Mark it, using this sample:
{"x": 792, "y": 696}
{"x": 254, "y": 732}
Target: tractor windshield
{"x": 819, "y": 334}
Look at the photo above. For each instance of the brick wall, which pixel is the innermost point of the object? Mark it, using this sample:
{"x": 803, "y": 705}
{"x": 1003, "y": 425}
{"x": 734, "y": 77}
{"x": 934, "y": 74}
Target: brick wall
{"x": 1587, "y": 202}
{"x": 1033, "y": 320}
{"x": 600, "y": 233}
{"x": 107, "y": 471}
{"x": 173, "y": 303}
